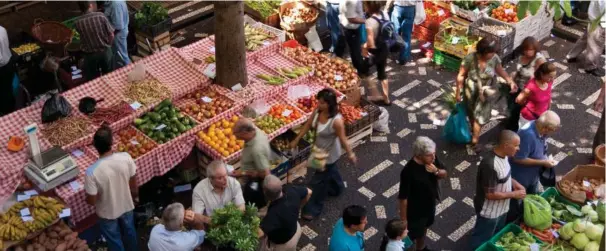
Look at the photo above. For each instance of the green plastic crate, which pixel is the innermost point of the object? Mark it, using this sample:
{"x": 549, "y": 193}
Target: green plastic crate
{"x": 447, "y": 61}
{"x": 552, "y": 191}
{"x": 509, "y": 228}
{"x": 71, "y": 23}
{"x": 487, "y": 246}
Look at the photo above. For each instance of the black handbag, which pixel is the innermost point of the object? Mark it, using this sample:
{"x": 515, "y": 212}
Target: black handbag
{"x": 547, "y": 177}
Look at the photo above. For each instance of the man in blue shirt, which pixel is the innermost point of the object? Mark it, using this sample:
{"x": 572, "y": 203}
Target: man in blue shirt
{"x": 347, "y": 232}
{"x": 117, "y": 14}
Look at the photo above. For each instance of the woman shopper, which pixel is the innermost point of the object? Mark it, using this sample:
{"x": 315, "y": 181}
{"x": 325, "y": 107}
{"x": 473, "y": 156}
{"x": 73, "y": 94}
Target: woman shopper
{"x": 527, "y": 64}
{"x": 395, "y": 232}
{"x": 477, "y": 78}
{"x": 403, "y": 16}
{"x": 536, "y": 96}
{"x": 375, "y": 51}
{"x": 329, "y": 136}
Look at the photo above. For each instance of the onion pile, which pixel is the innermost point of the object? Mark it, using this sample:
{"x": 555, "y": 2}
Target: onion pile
{"x": 338, "y": 73}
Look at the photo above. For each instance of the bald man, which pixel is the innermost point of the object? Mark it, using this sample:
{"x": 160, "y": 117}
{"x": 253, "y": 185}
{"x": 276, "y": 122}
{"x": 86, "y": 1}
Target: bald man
{"x": 495, "y": 188}
{"x": 254, "y": 161}
{"x": 281, "y": 223}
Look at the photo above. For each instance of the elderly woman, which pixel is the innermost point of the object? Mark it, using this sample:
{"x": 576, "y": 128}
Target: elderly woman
{"x": 216, "y": 191}
{"x": 419, "y": 190}
{"x": 477, "y": 78}
{"x": 168, "y": 236}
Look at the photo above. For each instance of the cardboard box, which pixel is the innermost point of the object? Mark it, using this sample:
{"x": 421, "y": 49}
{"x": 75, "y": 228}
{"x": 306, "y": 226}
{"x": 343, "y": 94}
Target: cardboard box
{"x": 579, "y": 173}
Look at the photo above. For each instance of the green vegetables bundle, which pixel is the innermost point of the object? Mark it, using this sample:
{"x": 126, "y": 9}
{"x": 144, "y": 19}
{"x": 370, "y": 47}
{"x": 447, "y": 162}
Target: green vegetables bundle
{"x": 465, "y": 4}
{"x": 150, "y": 14}
{"x": 563, "y": 212}
{"x": 265, "y": 8}
{"x": 519, "y": 242}
{"x": 537, "y": 212}
{"x": 234, "y": 228}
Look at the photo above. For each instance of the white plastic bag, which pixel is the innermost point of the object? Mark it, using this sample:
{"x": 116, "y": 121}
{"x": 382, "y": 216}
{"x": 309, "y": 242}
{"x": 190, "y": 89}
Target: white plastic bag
{"x": 382, "y": 124}
{"x": 419, "y": 12}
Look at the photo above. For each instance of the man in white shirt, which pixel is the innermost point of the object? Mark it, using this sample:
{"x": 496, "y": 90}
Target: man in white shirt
{"x": 110, "y": 185}
{"x": 216, "y": 191}
{"x": 589, "y": 47}
{"x": 7, "y": 74}
{"x": 351, "y": 16}
{"x": 168, "y": 235}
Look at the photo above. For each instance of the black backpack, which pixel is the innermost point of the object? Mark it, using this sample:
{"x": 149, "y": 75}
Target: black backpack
{"x": 388, "y": 36}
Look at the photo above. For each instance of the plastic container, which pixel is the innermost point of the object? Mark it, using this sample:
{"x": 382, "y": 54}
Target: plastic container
{"x": 445, "y": 60}
{"x": 552, "y": 191}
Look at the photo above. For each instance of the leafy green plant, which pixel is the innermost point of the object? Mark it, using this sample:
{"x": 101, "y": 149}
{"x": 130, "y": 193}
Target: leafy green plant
{"x": 150, "y": 14}
{"x": 265, "y": 8}
{"x": 231, "y": 227}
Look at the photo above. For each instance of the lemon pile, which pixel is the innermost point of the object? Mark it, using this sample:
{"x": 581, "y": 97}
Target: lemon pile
{"x": 219, "y": 136}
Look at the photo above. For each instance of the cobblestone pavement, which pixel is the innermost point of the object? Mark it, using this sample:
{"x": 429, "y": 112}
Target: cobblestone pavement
{"x": 417, "y": 111}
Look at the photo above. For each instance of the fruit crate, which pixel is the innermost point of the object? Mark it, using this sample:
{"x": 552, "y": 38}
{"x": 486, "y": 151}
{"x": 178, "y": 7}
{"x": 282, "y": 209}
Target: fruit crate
{"x": 372, "y": 114}
{"x": 445, "y": 60}
{"x": 283, "y": 164}
{"x": 458, "y": 50}
{"x": 509, "y": 228}
{"x": 471, "y": 15}
{"x": 423, "y": 34}
{"x": 139, "y": 138}
{"x": 264, "y": 107}
{"x": 295, "y": 157}
{"x": 552, "y": 191}
{"x": 432, "y": 21}
{"x": 504, "y": 41}
{"x": 191, "y": 99}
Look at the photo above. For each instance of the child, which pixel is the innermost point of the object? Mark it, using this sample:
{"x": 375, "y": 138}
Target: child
{"x": 395, "y": 232}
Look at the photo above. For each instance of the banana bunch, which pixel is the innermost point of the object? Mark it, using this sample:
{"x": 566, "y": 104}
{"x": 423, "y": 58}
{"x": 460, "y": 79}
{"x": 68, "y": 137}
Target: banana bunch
{"x": 25, "y": 48}
{"x": 210, "y": 59}
{"x": 44, "y": 210}
{"x": 271, "y": 79}
{"x": 255, "y": 37}
{"x": 13, "y": 230}
{"x": 294, "y": 72}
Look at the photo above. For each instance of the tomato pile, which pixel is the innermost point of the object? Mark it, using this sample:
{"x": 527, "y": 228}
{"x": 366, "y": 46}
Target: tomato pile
{"x": 350, "y": 113}
{"x": 133, "y": 143}
{"x": 208, "y": 103}
{"x": 286, "y": 113}
{"x": 507, "y": 12}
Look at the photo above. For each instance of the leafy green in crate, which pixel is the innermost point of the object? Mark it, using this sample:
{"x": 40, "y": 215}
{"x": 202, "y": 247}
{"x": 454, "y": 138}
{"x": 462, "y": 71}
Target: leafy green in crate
{"x": 150, "y": 14}
{"x": 513, "y": 242}
{"x": 232, "y": 228}
{"x": 265, "y": 8}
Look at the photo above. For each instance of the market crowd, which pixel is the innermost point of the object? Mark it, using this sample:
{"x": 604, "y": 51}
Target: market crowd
{"x": 507, "y": 173}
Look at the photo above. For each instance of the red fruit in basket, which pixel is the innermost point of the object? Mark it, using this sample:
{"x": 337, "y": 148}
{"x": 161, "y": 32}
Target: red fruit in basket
{"x": 149, "y": 146}
{"x": 142, "y": 151}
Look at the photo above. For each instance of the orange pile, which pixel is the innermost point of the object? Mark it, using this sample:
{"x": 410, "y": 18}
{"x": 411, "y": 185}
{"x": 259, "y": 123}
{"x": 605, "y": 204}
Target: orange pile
{"x": 506, "y": 12}
{"x": 219, "y": 137}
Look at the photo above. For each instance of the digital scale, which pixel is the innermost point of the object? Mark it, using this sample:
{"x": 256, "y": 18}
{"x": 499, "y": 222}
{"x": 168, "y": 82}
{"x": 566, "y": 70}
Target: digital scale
{"x": 50, "y": 168}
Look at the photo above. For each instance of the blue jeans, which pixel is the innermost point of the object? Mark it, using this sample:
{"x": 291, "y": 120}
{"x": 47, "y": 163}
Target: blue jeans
{"x": 323, "y": 184}
{"x": 332, "y": 19}
{"x": 484, "y": 229}
{"x": 120, "y": 233}
{"x": 403, "y": 18}
{"x": 120, "y": 48}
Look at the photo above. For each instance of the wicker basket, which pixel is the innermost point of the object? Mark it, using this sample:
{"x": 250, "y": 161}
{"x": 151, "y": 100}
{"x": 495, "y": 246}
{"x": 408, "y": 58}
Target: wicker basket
{"x": 600, "y": 155}
{"x": 52, "y": 36}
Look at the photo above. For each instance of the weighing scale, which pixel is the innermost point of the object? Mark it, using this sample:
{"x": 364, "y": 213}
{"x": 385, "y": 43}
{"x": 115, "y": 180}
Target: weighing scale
{"x": 50, "y": 168}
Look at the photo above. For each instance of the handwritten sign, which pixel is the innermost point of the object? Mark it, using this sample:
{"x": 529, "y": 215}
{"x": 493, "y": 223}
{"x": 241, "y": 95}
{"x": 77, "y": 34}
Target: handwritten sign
{"x": 22, "y": 197}
{"x": 210, "y": 70}
{"x": 236, "y": 87}
{"x": 508, "y": 11}
{"x": 555, "y": 233}
{"x": 207, "y": 99}
{"x": 25, "y": 212}
{"x": 455, "y": 40}
{"x": 160, "y": 127}
{"x": 534, "y": 247}
{"x": 134, "y": 142}
{"x": 135, "y": 105}
{"x": 476, "y": 11}
{"x": 338, "y": 77}
{"x": 65, "y": 213}
{"x": 426, "y": 45}
{"x": 31, "y": 192}
{"x": 27, "y": 218}
{"x": 75, "y": 185}
{"x": 212, "y": 49}
{"x": 501, "y": 33}
{"x": 586, "y": 183}
{"x": 77, "y": 153}
{"x": 286, "y": 113}
{"x": 440, "y": 12}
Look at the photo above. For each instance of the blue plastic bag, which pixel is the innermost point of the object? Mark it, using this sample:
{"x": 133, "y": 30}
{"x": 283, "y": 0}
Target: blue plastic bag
{"x": 456, "y": 129}
{"x": 362, "y": 33}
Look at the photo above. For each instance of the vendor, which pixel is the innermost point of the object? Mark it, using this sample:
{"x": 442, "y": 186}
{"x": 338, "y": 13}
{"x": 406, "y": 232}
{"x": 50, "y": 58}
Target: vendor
{"x": 477, "y": 79}
{"x": 7, "y": 74}
{"x": 117, "y": 13}
{"x": 168, "y": 235}
{"x": 254, "y": 160}
{"x": 216, "y": 191}
{"x": 96, "y": 37}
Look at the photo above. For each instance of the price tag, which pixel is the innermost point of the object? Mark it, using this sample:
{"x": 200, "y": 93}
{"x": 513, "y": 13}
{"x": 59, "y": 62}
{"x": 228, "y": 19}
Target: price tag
{"x": 363, "y": 114}
{"x": 77, "y": 153}
{"x": 160, "y": 127}
{"x": 78, "y": 76}
{"x": 286, "y": 113}
{"x": 182, "y": 188}
{"x": 455, "y": 40}
{"x": 508, "y": 11}
{"x": 555, "y": 234}
{"x": 75, "y": 185}
{"x": 501, "y": 33}
{"x": 338, "y": 77}
{"x": 534, "y": 247}
{"x": 134, "y": 142}
{"x": 212, "y": 49}
{"x": 76, "y": 72}
{"x": 25, "y": 212}
{"x": 135, "y": 105}
{"x": 207, "y": 99}
{"x": 426, "y": 45}
{"x": 586, "y": 183}
{"x": 74, "y": 68}
{"x": 230, "y": 168}
{"x": 31, "y": 192}
{"x": 211, "y": 70}
{"x": 254, "y": 186}
{"x": 22, "y": 197}
{"x": 65, "y": 213}
{"x": 266, "y": 43}
{"x": 236, "y": 87}
{"x": 476, "y": 11}
{"x": 440, "y": 12}
{"x": 27, "y": 218}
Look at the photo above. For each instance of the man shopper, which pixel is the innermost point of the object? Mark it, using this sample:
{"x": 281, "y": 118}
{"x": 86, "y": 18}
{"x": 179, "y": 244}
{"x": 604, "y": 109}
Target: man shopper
{"x": 281, "y": 223}
{"x": 254, "y": 160}
{"x": 351, "y": 17}
{"x": 110, "y": 184}
{"x": 419, "y": 190}
{"x": 332, "y": 20}
{"x": 168, "y": 236}
{"x": 589, "y": 47}
{"x": 347, "y": 233}
{"x": 117, "y": 13}
{"x": 7, "y": 74}
{"x": 494, "y": 189}
{"x": 216, "y": 191}
{"x": 96, "y": 37}
{"x": 403, "y": 16}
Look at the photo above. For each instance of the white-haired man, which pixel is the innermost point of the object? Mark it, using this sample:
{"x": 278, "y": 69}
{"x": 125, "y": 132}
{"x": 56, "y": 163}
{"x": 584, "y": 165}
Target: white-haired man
{"x": 419, "y": 190}
{"x": 216, "y": 190}
{"x": 168, "y": 235}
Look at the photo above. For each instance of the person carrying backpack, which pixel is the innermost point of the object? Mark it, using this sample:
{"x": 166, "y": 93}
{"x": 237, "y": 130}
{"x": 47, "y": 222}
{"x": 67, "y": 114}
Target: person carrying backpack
{"x": 381, "y": 38}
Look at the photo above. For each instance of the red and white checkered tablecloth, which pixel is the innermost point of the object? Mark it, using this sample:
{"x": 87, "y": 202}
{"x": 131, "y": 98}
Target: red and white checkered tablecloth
{"x": 179, "y": 75}
{"x": 75, "y": 199}
{"x": 179, "y": 149}
{"x": 187, "y": 102}
{"x": 199, "y": 50}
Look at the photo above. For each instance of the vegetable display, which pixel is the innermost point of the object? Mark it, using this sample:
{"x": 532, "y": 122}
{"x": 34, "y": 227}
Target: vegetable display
{"x": 208, "y": 104}
{"x": 587, "y": 186}
{"x": 43, "y": 210}
{"x": 147, "y": 91}
{"x": 294, "y": 72}
{"x": 57, "y": 237}
{"x": 111, "y": 114}
{"x": 537, "y": 212}
{"x": 132, "y": 142}
{"x": 308, "y": 104}
{"x": 26, "y": 48}
{"x": 581, "y": 233}
{"x": 286, "y": 113}
{"x": 546, "y": 235}
{"x": 66, "y": 130}
{"x": 520, "y": 241}
{"x": 562, "y": 211}
{"x": 465, "y": 4}
{"x": 150, "y": 14}
{"x": 338, "y": 73}
{"x": 507, "y": 12}
{"x": 164, "y": 122}
{"x": 350, "y": 113}
{"x": 271, "y": 79}
{"x": 499, "y": 30}
{"x": 255, "y": 37}
{"x": 219, "y": 136}
{"x": 281, "y": 144}
{"x": 265, "y": 8}
{"x": 269, "y": 124}
{"x": 232, "y": 228}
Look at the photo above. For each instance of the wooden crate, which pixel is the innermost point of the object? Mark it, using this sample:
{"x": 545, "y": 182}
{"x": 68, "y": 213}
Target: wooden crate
{"x": 147, "y": 45}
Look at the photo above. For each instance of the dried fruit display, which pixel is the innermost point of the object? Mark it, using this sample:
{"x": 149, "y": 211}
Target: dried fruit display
{"x": 299, "y": 13}
{"x": 208, "y": 104}
{"x": 134, "y": 143}
{"x": 219, "y": 136}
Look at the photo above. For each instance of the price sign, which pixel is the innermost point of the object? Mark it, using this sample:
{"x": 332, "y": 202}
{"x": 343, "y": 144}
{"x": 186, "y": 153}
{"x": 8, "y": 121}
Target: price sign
{"x": 501, "y": 33}
{"x": 212, "y": 49}
{"x": 135, "y": 105}
{"x": 27, "y": 218}
{"x": 286, "y": 113}
{"x": 555, "y": 234}
{"x": 426, "y": 45}
{"x": 134, "y": 142}
{"x": 211, "y": 70}
{"x": 534, "y": 247}
{"x": 476, "y": 11}
{"x": 455, "y": 40}
{"x": 586, "y": 183}
{"x": 160, "y": 127}
{"x": 65, "y": 213}
{"x": 508, "y": 11}
{"x": 338, "y": 77}
{"x": 25, "y": 212}
{"x": 266, "y": 43}
{"x": 207, "y": 99}
{"x": 236, "y": 87}
{"x": 440, "y": 12}
{"x": 77, "y": 153}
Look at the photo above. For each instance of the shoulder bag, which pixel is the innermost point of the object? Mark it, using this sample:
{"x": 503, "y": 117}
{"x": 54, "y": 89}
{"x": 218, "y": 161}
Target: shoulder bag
{"x": 318, "y": 156}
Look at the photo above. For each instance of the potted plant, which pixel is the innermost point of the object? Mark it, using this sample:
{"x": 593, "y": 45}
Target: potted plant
{"x": 232, "y": 229}
{"x": 152, "y": 19}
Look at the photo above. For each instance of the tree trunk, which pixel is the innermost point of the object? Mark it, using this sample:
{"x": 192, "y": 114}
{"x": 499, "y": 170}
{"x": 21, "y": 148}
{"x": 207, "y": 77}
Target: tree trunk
{"x": 230, "y": 48}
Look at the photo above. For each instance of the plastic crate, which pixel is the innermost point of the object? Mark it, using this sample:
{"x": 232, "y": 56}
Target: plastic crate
{"x": 509, "y": 228}
{"x": 157, "y": 29}
{"x": 504, "y": 43}
{"x": 372, "y": 115}
{"x": 281, "y": 169}
{"x": 458, "y": 50}
{"x": 552, "y": 191}
{"x": 445, "y": 60}
{"x": 471, "y": 15}
{"x": 298, "y": 157}
{"x": 433, "y": 22}
{"x": 487, "y": 246}
{"x": 423, "y": 34}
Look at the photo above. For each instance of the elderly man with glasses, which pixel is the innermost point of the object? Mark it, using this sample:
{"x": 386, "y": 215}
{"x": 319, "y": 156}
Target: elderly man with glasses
{"x": 419, "y": 190}
{"x": 216, "y": 191}
{"x": 168, "y": 235}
